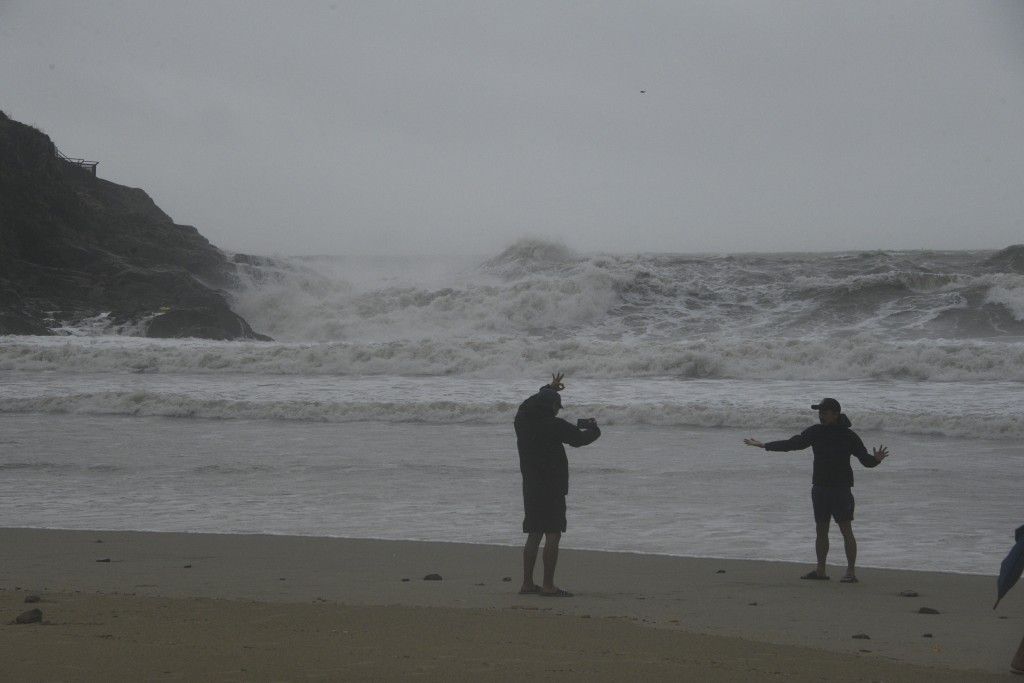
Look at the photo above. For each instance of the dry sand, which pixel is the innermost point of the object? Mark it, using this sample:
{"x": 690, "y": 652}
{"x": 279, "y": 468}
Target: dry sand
{"x": 200, "y": 607}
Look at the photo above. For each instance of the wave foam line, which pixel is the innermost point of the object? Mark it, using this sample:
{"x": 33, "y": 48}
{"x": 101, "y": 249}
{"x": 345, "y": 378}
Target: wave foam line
{"x": 781, "y": 422}
{"x": 854, "y": 357}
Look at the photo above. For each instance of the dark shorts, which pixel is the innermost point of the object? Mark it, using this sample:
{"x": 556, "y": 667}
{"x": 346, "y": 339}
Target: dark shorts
{"x": 545, "y": 514}
{"x": 835, "y": 502}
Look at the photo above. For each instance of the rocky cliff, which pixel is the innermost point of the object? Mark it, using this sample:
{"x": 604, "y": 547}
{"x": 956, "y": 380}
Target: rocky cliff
{"x": 75, "y": 247}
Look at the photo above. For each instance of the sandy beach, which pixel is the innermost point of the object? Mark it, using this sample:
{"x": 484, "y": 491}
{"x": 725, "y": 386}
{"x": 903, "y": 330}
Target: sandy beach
{"x": 202, "y": 607}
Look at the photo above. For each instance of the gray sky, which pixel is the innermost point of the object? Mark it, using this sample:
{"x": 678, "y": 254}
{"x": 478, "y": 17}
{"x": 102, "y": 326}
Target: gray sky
{"x": 461, "y": 126}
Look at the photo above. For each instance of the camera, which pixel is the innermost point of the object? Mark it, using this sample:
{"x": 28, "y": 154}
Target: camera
{"x": 586, "y": 423}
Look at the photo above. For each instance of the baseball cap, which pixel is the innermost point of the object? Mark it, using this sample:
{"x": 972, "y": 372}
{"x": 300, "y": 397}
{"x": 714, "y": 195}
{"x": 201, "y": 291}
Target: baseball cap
{"x": 828, "y": 404}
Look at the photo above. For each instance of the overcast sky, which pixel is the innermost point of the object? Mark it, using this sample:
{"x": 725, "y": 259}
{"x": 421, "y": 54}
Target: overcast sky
{"x": 461, "y": 126}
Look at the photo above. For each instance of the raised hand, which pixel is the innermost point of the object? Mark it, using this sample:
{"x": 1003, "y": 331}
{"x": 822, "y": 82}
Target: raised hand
{"x": 881, "y": 453}
{"x": 556, "y": 381}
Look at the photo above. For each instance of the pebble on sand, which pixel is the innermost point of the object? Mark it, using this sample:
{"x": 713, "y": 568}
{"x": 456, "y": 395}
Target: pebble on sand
{"x": 33, "y": 616}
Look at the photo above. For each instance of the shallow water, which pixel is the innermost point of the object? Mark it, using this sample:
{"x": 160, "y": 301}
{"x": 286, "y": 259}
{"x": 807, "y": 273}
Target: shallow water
{"x": 977, "y": 409}
{"x": 936, "y": 504}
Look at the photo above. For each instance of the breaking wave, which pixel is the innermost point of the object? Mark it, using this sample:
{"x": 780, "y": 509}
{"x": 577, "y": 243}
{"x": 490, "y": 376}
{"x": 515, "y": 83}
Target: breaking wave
{"x": 860, "y": 356}
{"x": 541, "y": 289}
{"x": 451, "y": 411}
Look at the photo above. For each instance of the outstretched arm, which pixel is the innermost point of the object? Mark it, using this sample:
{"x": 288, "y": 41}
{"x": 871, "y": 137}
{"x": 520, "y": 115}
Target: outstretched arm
{"x": 869, "y": 460}
{"x": 795, "y": 443}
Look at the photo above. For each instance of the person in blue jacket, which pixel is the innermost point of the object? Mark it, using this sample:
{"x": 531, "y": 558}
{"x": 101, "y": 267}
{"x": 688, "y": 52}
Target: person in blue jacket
{"x": 833, "y": 443}
{"x": 540, "y": 435}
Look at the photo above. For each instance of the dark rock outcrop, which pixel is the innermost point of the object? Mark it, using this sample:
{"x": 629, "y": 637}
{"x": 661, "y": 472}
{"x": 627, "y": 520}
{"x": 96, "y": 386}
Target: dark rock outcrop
{"x": 207, "y": 323}
{"x": 74, "y": 247}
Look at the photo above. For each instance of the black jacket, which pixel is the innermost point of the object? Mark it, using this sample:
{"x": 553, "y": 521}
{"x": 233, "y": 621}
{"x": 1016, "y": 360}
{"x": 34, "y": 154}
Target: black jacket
{"x": 832, "y": 445}
{"x": 539, "y": 436}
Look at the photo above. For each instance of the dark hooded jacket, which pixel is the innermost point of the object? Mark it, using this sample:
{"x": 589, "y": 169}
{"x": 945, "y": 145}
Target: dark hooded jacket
{"x": 539, "y": 436}
{"x": 832, "y": 446}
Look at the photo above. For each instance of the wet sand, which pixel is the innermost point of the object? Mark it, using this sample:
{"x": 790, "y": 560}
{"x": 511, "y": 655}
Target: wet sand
{"x": 202, "y": 607}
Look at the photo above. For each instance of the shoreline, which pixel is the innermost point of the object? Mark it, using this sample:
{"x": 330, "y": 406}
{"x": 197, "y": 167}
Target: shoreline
{"x": 687, "y": 599}
{"x": 515, "y": 546}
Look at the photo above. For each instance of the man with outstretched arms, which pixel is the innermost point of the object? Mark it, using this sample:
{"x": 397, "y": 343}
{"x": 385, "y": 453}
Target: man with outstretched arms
{"x": 833, "y": 443}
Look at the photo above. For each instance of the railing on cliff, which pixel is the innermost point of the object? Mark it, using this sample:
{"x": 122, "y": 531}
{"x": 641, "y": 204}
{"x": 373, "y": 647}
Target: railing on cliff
{"x": 81, "y": 163}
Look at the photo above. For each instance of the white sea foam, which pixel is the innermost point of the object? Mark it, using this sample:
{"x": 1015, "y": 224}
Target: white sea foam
{"x": 540, "y": 288}
{"x": 1007, "y": 291}
{"x": 854, "y": 357}
{"x": 969, "y": 410}
{"x": 538, "y": 307}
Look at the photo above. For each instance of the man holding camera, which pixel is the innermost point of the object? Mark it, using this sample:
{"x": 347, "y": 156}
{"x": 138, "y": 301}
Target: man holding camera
{"x": 540, "y": 435}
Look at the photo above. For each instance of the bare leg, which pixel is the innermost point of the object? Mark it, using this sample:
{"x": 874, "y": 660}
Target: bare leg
{"x": 821, "y": 545}
{"x": 530, "y": 560}
{"x": 1018, "y": 659}
{"x": 851, "y": 547}
{"x": 551, "y": 540}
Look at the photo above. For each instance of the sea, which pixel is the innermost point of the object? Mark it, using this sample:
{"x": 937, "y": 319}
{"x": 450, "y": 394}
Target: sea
{"x": 384, "y": 407}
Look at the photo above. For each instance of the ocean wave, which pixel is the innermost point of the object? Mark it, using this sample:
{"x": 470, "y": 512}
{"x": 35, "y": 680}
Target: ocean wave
{"x": 529, "y": 257}
{"x": 304, "y": 304}
{"x": 142, "y": 404}
{"x": 1006, "y": 291}
{"x": 538, "y": 288}
{"x": 857, "y": 356}
{"x": 703, "y": 415}
{"x": 535, "y": 287}
{"x": 1011, "y": 258}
